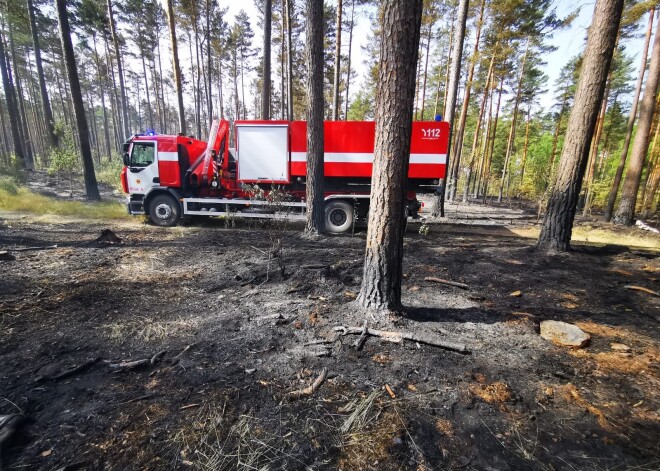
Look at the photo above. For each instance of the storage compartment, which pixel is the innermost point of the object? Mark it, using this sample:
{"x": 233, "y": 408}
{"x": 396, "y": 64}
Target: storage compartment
{"x": 263, "y": 153}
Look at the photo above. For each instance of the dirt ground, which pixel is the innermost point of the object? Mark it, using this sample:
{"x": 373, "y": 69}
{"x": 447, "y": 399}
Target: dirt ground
{"x": 254, "y": 320}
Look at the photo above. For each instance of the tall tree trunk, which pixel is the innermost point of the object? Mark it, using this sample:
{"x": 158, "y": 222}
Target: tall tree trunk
{"x": 525, "y": 146}
{"x": 175, "y": 66}
{"x": 452, "y": 91}
{"x": 460, "y": 129}
{"x": 265, "y": 89}
{"x": 106, "y": 130}
{"x": 348, "y": 63}
{"x": 491, "y": 146}
{"x": 514, "y": 117}
{"x": 289, "y": 60}
{"x": 426, "y": 69}
{"x": 150, "y": 115}
{"x": 595, "y": 146}
{"x": 335, "y": 92}
{"x": 487, "y": 129}
{"x": 23, "y": 126}
{"x": 314, "y": 185}
{"x": 625, "y": 213}
{"x": 382, "y": 275}
{"x": 558, "y": 221}
{"x": 475, "y": 138}
{"x": 45, "y": 102}
{"x": 91, "y": 186}
{"x": 120, "y": 72}
{"x": 209, "y": 64}
{"x": 611, "y": 198}
{"x": 116, "y": 118}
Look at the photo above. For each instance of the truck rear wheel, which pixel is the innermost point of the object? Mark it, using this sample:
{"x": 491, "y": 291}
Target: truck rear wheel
{"x": 164, "y": 210}
{"x": 338, "y": 216}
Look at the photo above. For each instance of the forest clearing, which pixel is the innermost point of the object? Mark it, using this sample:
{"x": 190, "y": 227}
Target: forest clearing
{"x": 249, "y": 334}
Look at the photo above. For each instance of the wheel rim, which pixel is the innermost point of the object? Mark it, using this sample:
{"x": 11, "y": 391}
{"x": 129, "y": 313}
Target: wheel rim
{"x": 338, "y": 217}
{"x": 163, "y": 211}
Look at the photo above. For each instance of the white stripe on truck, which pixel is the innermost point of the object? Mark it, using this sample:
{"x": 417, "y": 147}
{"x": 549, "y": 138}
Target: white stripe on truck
{"x": 360, "y": 158}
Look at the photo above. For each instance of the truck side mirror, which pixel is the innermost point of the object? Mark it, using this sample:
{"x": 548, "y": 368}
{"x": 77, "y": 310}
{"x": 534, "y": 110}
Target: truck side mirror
{"x": 127, "y": 159}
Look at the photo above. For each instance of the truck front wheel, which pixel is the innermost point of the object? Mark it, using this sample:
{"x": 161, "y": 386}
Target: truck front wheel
{"x": 338, "y": 216}
{"x": 164, "y": 210}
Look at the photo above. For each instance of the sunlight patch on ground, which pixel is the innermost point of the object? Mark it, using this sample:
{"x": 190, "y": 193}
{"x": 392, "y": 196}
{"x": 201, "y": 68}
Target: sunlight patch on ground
{"x": 630, "y": 237}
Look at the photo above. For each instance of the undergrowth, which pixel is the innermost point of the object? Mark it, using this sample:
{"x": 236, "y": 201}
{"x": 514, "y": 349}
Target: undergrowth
{"x": 18, "y": 199}
{"x": 109, "y": 171}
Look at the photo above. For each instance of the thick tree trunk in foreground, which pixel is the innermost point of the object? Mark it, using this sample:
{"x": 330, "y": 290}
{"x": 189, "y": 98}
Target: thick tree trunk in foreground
{"x": 265, "y": 91}
{"x": 176, "y": 67}
{"x": 558, "y": 221}
{"x": 625, "y": 213}
{"x": 382, "y": 276}
{"x": 314, "y": 51}
{"x": 289, "y": 61}
{"x": 91, "y": 186}
{"x": 611, "y": 199}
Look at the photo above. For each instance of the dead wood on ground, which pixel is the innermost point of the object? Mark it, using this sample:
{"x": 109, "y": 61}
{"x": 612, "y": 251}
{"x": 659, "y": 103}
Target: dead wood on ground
{"x": 446, "y": 282}
{"x": 309, "y": 390}
{"x": 397, "y": 337}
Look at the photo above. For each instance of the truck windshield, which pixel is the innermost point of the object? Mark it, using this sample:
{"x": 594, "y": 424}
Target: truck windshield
{"x": 143, "y": 154}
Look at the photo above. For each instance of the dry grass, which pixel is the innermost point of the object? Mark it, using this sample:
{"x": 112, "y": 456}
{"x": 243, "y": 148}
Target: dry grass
{"x": 149, "y": 329}
{"x": 367, "y": 432}
{"x": 209, "y": 442}
{"x": 493, "y": 393}
{"x": 631, "y": 237}
{"x": 28, "y": 202}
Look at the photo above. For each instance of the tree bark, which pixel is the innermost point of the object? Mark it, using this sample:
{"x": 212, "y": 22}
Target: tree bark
{"x": 335, "y": 94}
{"x": 289, "y": 60}
{"x": 512, "y": 130}
{"x": 426, "y": 68}
{"x": 48, "y": 112}
{"x": 265, "y": 89}
{"x": 452, "y": 87}
{"x": 348, "y": 63}
{"x": 625, "y": 213}
{"x": 611, "y": 199}
{"x": 176, "y": 67}
{"x": 382, "y": 276}
{"x": 558, "y": 221}
{"x": 314, "y": 185}
{"x": 91, "y": 186}
{"x": 120, "y": 72}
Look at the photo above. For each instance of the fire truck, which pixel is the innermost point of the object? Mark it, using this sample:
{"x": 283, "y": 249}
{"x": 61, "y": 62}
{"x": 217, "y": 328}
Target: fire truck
{"x": 168, "y": 177}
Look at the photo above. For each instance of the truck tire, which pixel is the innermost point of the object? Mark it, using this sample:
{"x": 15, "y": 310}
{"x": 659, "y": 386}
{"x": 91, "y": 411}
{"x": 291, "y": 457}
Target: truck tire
{"x": 338, "y": 216}
{"x": 164, "y": 210}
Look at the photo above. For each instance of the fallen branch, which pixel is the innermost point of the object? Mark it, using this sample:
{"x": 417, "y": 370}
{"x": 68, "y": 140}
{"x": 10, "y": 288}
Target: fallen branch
{"x": 643, "y": 290}
{"x": 28, "y": 249}
{"x": 128, "y": 365}
{"x": 176, "y": 359}
{"x": 69, "y": 372}
{"x": 309, "y": 390}
{"x": 138, "y": 399}
{"x": 397, "y": 337}
{"x": 446, "y": 282}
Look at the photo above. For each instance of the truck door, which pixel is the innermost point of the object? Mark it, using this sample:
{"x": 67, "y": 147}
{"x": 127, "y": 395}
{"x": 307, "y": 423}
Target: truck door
{"x": 142, "y": 172}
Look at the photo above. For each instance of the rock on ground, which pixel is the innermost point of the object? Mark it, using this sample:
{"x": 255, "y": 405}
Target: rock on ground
{"x": 564, "y": 334}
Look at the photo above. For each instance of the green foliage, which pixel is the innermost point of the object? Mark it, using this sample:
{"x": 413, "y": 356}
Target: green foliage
{"x": 361, "y": 108}
{"x": 13, "y": 170}
{"x": 8, "y": 185}
{"x": 109, "y": 172}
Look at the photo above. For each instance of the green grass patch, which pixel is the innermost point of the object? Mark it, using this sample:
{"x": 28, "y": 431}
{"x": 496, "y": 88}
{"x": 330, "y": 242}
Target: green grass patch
{"x": 23, "y": 200}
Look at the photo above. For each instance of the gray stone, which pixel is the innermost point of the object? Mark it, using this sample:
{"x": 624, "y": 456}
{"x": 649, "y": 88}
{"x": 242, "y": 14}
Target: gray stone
{"x": 620, "y": 347}
{"x": 564, "y": 334}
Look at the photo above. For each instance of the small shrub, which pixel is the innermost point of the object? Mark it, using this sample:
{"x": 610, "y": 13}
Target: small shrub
{"x": 64, "y": 160}
{"x": 109, "y": 172}
{"x": 8, "y": 185}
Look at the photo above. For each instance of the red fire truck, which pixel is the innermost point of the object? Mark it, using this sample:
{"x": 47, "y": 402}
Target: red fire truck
{"x": 167, "y": 177}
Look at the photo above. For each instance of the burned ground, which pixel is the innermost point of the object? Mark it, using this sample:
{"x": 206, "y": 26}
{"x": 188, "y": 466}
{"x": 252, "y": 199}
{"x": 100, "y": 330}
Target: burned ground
{"x": 515, "y": 402}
